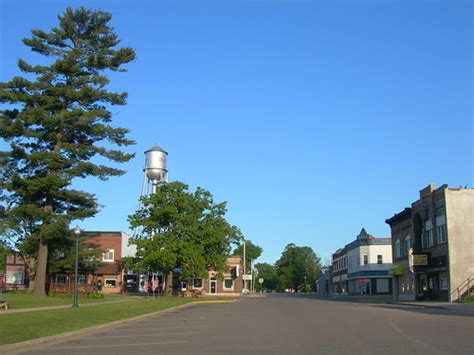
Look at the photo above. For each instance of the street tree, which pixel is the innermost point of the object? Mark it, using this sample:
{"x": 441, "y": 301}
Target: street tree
{"x": 58, "y": 126}
{"x": 269, "y": 275}
{"x": 184, "y": 230}
{"x": 252, "y": 252}
{"x": 298, "y": 268}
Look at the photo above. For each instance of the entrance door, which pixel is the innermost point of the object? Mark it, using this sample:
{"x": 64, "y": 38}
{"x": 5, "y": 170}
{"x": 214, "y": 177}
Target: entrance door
{"x": 213, "y": 286}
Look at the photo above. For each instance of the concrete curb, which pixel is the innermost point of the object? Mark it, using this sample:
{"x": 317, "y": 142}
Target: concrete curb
{"x": 17, "y": 348}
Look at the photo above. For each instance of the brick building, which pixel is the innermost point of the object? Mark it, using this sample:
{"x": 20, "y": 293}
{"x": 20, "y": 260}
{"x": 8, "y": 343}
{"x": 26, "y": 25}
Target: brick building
{"x": 231, "y": 285}
{"x": 439, "y": 226}
{"x": 339, "y": 272}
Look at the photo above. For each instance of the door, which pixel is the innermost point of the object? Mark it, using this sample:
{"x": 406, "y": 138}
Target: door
{"x": 213, "y": 286}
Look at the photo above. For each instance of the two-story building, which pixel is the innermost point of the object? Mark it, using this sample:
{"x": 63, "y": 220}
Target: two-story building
{"x": 403, "y": 244}
{"x": 339, "y": 272}
{"x": 369, "y": 260}
{"x": 439, "y": 226}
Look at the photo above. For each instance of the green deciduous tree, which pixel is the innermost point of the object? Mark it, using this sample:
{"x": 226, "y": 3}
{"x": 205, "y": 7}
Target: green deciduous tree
{"x": 298, "y": 268}
{"x": 269, "y": 275}
{"x": 252, "y": 252}
{"x": 182, "y": 229}
{"x": 58, "y": 123}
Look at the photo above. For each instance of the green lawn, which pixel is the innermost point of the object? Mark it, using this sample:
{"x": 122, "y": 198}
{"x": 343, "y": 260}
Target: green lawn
{"x": 30, "y": 325}
{"x": 26, "y": 300}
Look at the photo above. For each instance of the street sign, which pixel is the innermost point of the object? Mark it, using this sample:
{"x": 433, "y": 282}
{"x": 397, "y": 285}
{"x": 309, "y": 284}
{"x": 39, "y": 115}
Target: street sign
{"x": 260, "y": 281}
{"x": 362, "y": 281}
{"x": 247, "y": 277}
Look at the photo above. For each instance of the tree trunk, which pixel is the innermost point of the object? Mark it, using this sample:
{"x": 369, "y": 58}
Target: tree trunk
{"x": 40, "y": 279}
{"x": 169, "y": 283}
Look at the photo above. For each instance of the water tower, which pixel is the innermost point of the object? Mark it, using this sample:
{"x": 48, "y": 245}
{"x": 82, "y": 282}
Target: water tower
{"x": 155, "y": 171}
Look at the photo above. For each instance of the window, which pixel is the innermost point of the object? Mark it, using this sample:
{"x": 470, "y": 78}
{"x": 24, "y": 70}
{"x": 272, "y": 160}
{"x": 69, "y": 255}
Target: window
{"x": 441, "y": 234}
{"x": 61, "y": 278}
{"x": 110, "y": 283}
{"x": 429, "y": 238}
{"x": 108, "y": 255}
{"x": 15, "y": 277}
{"x": 197, "y": 283}
{"x": 443, "y": 284}
{"x": 81, "y": 279}
{"x": 439, "y": 208}
{"x": 228, "y": 283}
{"x": 366, "y": 259}
{"x": 408, "y": 244}
{"x": 184, "y": 285}
{"x": 398, "y": 251}
{"x": 379, "y": 259}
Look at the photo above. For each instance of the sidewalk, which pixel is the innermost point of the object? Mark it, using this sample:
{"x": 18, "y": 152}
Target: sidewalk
{"x": 466, "y": 309}
{"x": 64, "y": 306}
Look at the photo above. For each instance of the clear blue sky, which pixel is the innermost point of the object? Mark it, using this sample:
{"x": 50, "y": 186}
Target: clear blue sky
{"x": 312, "y": 119}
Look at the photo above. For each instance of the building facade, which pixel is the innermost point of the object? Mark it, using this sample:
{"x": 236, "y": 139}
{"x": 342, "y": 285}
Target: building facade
{"x": 230, "y": 285}
{"x": 403, "y": 244}
{"x": 442, "y": 235}
{"x": 339, "y": 272}
{"x": 369, "y": 260}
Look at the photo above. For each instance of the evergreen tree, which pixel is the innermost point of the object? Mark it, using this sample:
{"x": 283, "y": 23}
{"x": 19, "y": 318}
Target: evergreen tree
{"x": 57, "y": 123}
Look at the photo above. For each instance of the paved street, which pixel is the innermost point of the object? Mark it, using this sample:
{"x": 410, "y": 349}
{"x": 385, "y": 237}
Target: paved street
{"x": 285, "y": 325}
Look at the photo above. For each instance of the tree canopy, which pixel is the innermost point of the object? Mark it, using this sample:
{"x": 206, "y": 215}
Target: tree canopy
{"x": 252, "y": 252}
{"x": 269, "y": 275}
{"x": 182, "y": 229}
{"x": 298, "y": 268}
{"x": 58, "y": 123}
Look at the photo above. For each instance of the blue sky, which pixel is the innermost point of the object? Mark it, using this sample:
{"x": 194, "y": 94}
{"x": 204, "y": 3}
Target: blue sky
{"x": 312, "y": 119}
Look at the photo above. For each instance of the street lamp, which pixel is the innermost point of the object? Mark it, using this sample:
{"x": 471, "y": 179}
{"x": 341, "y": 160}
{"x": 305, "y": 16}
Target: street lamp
{"x": 77, "y": 232}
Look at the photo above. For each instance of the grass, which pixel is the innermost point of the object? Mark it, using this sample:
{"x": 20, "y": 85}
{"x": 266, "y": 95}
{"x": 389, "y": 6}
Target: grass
{"x": 18, "y": 300}
{"x": 30, "y": 325}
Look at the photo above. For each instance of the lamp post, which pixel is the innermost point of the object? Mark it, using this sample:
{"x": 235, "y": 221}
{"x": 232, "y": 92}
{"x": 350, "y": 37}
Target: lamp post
{"x": 77, "y": 232}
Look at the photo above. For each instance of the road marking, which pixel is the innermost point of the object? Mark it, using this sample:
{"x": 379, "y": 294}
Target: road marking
{"x": 117, "y": 345}
{"x": 139, "y": 335}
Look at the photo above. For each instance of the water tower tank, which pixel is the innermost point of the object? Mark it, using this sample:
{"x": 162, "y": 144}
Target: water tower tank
{"x": 155, "y": 166}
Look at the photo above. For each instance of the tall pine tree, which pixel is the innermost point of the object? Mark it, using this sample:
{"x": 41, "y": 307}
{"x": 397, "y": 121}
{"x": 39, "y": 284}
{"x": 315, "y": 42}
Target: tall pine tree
{"x": 58, "y": 128}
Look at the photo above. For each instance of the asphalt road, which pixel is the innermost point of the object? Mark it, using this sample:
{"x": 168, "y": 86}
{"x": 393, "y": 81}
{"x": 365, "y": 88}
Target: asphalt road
{"x": 284, "y": 325}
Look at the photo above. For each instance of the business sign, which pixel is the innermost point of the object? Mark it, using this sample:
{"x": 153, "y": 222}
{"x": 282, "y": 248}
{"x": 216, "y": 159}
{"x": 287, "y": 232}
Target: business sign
{"x": 420, "y": 259}
{"x": 362, "y": 281}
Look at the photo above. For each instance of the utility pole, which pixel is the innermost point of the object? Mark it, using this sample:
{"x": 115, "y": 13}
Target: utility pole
{"x": 245, "y": 273}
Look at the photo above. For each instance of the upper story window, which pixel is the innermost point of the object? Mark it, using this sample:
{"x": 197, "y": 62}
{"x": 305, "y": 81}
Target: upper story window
{"x": 439, "y": 208}
{"x": 366, "y": 259}
{"x": 398, "y": 251}
{"x": 441, "y": 234}
{"x": 427, "y": 213}
{"x": 408, "y": 244}
{"x": 379, "y": 259}
{"x": 429, "y": 238}
{"x": 108, "y": 255}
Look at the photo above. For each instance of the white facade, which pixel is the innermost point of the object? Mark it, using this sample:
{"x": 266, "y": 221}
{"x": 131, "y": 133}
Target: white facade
{"x": 369, "y": 260}
{"x": 127, "y": 250}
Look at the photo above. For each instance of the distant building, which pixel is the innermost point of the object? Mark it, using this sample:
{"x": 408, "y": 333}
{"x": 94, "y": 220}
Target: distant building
{"x": 109, "y": 276}
{"x": 339, "y": 272}
{"x": 403, "y": 243}
{"x": 324, "y": 281}
{"x": 230, "y": 285}
{"x": 369, "y": 260}
{"x": 440, "y": 229}
{"x": 15, "y": 275}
